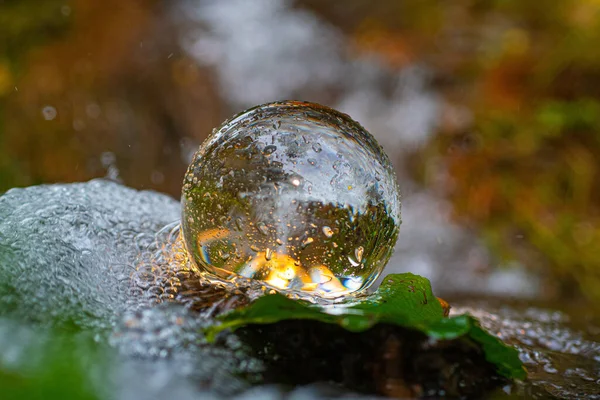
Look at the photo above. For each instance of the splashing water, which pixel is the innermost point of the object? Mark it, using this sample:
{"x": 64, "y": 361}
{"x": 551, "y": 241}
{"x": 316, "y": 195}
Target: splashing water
{"x": 90, "y": 253}
{"x": 294, "y": 194}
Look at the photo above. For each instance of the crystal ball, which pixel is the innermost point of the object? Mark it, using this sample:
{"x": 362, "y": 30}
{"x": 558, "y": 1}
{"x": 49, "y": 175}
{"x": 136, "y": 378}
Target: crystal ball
{"x": 294, "y": 194}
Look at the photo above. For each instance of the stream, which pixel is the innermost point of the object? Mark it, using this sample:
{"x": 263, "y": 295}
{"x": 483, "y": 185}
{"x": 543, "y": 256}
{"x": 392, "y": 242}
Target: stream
{"x": 99, "y": 261}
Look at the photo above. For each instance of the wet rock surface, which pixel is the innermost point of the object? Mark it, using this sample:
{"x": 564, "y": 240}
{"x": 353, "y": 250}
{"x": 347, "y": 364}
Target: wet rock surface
{"x": 386, "y": 360}
{"x": 101, "y": 260}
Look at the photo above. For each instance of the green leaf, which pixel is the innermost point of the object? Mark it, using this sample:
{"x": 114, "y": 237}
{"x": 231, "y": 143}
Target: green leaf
{"x": 404, "y": 300}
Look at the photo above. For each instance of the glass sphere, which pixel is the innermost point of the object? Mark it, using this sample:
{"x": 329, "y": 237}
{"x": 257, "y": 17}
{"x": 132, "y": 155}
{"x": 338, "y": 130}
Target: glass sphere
{"x": 294, "y": 194}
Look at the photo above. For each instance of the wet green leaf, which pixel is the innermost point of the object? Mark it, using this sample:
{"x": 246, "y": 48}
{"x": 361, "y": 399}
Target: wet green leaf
{"x": 405, "y": 300}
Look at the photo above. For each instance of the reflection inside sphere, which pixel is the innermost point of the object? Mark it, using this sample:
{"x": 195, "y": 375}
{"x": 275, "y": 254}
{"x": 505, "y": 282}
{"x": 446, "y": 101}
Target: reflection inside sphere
{"x": 294, "y": 194}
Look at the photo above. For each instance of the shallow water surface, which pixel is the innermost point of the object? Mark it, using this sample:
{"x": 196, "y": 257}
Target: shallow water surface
{"x": 560, "y": 349}
{"x": 102, "y": 262}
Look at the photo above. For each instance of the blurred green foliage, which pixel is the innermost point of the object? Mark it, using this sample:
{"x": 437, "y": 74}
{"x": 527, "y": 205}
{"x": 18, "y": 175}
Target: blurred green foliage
{"x": 27, "y": 23}
{"x": 526, "y": 170}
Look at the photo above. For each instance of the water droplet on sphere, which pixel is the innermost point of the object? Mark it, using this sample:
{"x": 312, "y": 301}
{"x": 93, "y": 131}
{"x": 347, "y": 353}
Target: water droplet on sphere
{"x": 275, "y": 164}
{"x": 238, "y": 224}
{"x": 263, "y": 228}
{"x": 358, "y": 252}
{"x": 327, "y": 231}
{"x": 270, "y": 149}
{"x": 306, "y": 242}
{"x": 268, "y": 254}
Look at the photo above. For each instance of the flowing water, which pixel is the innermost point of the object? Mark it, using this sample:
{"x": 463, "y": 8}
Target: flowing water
{"x": 104, "y": 262}
{"x": 560, "y": 350}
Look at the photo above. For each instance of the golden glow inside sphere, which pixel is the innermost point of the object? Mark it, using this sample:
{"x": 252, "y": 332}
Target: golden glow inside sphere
{"x": 294, "y": 194}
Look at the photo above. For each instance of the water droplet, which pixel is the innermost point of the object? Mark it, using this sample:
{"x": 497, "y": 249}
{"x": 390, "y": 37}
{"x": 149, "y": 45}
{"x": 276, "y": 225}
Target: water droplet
{"x": 224, "y": 255}
{"x": 316, "y": 147}
{"x": 307, "y": 241}
{"x": 238, "y": 224}
{"x": 270, "y": 149}
{"x": 262, "y": 228}
{"x": 327, "y": 231}
{"x": 268, "y": 254}
{"x": 358, "y": 252}
{"x": 296, "y": 180}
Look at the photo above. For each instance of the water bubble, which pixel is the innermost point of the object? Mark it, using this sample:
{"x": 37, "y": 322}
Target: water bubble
{"x": 275, "y": 164}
